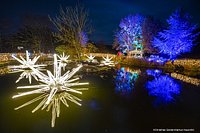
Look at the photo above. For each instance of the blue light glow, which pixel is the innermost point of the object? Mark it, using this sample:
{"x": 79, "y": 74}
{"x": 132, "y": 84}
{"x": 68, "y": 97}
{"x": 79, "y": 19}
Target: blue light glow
{"x": 178, "y": 37}
{"x": 130, "y": 34}
{"x": 83, "y": 38}
{"x": 164, "y": 88}
{"x": 158, "y": 59}
{"x": 153, "y": 72}
{"x": 124, "y": 81}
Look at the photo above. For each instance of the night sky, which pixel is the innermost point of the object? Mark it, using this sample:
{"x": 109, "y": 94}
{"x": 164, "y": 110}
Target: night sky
{"x": 105, "y": 15}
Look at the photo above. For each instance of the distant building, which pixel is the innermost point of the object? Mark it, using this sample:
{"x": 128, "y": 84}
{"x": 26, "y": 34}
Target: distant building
{"x": 137, "y": 52}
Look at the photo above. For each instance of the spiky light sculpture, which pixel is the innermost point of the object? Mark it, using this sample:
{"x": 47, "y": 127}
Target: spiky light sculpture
{"x": 54, "y": 89}
{"x": 24, "y": 67}
{"x": 63, "y": 60}
{"x": 107, "y": 61}
{"x": 90, "y": 58}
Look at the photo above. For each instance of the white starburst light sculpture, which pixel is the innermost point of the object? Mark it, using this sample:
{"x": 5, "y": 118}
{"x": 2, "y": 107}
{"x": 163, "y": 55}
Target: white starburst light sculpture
{"x": 54, "y": 89}
{"x": 107, "y": 61}
{"x": 24, "y": 67}
{"x": 90, "y": 58}
{"x": 63, "y": 60}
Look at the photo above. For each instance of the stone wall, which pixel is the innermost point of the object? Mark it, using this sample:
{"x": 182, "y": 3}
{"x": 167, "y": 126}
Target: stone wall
{"x": 7, "y": 56}
{"x": 4, "y": 70}
{"x": 188, "y": 62}
{"x": 186, "y": 79}
{"x": 102, "y": 55}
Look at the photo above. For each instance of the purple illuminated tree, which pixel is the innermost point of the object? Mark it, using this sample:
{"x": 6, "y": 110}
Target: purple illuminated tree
{"x": 70, "y": 22}
{"x": 178, "y": 38}
{"x": 130, "y": 33}
{"x": 83, "y": 38}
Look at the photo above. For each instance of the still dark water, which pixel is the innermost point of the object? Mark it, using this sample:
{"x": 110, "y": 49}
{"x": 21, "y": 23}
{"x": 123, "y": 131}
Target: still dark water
{"x": 119, "y": 100}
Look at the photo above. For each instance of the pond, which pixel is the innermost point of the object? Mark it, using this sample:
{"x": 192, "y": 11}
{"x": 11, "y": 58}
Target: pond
{"x": 119, "y": 100}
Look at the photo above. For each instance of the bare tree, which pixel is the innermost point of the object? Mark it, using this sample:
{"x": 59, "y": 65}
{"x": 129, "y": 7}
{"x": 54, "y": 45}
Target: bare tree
{"x": 150, "y": 28}
{"x": 69, "y": 24}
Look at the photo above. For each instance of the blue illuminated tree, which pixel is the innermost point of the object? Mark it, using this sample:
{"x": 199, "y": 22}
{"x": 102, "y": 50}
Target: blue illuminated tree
{"x": 178, "y": 38}
{"x": 129, "y": 35}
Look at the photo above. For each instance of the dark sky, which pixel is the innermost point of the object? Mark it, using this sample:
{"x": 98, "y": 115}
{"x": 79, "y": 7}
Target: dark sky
{"x": 104, "y": 14}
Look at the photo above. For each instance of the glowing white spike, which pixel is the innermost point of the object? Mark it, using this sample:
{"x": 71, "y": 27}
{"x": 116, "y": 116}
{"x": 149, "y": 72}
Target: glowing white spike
{"x": 63, "y": 60}
{"x": 25, "y": 67}
{"x": 90, "y": 58}
{"x": 107, "y": 61}
{"x": 55, "y": 89}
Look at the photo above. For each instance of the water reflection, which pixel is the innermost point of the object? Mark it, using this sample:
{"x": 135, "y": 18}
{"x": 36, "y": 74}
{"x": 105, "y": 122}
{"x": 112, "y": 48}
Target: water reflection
{"x": 125, "y": 79}
{"x": 163, "y": 87}
{"x": 154, "y": 73}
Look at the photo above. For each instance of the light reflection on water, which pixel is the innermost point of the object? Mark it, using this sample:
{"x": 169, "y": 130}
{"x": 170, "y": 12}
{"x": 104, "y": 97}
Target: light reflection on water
{"x": 104, "y": 107}
{"x": 162, "y": 87}
{"x": 125, "y": 79}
